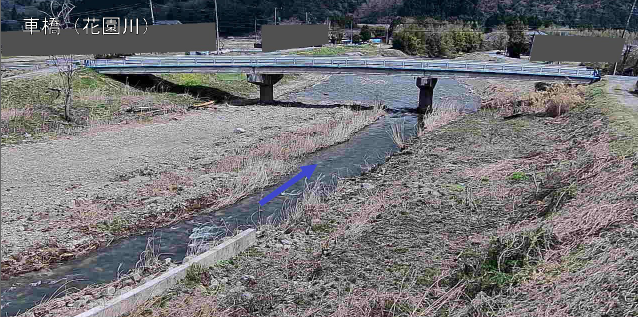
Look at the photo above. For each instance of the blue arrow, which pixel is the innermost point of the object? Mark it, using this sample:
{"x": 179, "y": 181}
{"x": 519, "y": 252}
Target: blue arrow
{"x": 306, "y": 171}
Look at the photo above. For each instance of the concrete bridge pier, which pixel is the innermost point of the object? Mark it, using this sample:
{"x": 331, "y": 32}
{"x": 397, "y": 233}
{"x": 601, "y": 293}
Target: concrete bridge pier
{"x": 266, "y": 83}
{"x": 426, "y": 92}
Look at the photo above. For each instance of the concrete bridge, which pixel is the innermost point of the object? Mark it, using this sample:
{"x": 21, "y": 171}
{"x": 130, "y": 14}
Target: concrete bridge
{"x": 266, "y": 71}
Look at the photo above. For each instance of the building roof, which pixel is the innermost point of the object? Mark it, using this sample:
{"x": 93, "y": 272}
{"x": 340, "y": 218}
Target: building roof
{"x": 167, "y": 22}
{"x": 535, "y": 32}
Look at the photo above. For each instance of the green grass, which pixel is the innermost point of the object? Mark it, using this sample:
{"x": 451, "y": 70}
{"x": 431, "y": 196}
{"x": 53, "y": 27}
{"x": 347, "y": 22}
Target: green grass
{"x": 366, "y": 49}
{"x": 519, "y": 176}
{"x": 194, "y": 275}
{"x": 456, "y": 187}
{"x": 114, "y": 226}
{"x": 236, "y": 84}
{"x": 623, "y": 120}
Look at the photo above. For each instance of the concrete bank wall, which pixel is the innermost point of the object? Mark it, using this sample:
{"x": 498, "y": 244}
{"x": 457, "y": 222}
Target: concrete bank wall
{"x": 127, "y": 302}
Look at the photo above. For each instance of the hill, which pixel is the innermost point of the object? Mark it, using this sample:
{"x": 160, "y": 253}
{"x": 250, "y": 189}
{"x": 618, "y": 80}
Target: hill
{"x": 239, "y": 17}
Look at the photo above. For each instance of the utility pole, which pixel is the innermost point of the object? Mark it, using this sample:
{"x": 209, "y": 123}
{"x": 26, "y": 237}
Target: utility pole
{"x": 351, "y": 32}
{"x": 625, "y": 29}
{"x": 255, "y": 29}
{"x": 306, "y": 17}
{"x": 152, "y": 16}
{"x": 217, "y": 27}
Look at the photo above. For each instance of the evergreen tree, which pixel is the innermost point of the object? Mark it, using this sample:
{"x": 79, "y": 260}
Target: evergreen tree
{"x": 365, "y": 33}
{"x": 517, "y": 40}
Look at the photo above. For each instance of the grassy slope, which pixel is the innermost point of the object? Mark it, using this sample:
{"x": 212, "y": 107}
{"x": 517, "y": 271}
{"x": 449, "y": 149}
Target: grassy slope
{"x": 28, "y": 106}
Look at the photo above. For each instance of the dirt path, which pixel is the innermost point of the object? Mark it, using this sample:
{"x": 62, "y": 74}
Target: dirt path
{"x": 622, "y": 88}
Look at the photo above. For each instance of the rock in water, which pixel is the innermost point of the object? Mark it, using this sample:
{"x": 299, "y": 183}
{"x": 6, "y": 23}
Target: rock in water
{"x": 205, "y": 233}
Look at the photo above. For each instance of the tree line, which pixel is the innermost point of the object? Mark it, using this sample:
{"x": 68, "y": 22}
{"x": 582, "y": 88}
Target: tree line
{"x": 238, "y": 17}
{"x": 434, "y": 38}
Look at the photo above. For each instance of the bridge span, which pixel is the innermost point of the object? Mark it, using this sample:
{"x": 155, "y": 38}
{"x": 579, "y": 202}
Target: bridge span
{"x": 266, "y": 71}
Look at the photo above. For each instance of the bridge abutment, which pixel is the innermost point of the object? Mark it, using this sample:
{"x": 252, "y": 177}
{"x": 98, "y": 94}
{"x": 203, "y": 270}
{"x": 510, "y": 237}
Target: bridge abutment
{"x": 266, "y": 83}
{"x": 426, "y": 92}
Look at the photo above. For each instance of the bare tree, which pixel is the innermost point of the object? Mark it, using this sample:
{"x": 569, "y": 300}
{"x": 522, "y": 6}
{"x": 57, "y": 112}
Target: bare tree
{"x": 61, "y": 13}
{"x": 66, "y": 71}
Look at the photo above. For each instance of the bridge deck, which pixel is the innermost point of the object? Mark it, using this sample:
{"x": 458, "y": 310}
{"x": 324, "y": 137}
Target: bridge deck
{"x": 340, "y": 65}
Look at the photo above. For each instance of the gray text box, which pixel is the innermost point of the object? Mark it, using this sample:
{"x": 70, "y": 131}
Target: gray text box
{"x": 158, "y": 39}
{"x": 576, "y": 49}
{"x": 281, "y": 37}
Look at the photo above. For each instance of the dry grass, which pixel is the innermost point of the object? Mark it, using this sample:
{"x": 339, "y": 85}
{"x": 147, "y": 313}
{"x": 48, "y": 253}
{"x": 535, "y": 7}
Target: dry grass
{"x": 167, "y": 184}
{"x": 398, "y": 134}
{"x": 267, "y": 161}
{"x": 556, "y": 101}
{"x": 33, "y": 106}
{"x": 443, "y": 113}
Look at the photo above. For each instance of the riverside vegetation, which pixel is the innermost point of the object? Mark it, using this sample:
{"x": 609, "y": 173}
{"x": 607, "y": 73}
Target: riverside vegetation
{"x": 480, "y": 216}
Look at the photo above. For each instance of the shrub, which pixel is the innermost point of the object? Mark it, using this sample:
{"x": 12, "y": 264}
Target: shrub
{"x": 365, "y": 33}
{"x": 406, "y": 42}
{"x": 517, "y": 43}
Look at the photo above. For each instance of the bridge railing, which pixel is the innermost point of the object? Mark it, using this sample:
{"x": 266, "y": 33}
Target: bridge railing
{"x": 248, "y": 61}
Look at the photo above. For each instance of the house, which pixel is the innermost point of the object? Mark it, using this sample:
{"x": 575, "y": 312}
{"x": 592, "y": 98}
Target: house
{"x": 535, "y": 32}
{"x": 166, "y": 22}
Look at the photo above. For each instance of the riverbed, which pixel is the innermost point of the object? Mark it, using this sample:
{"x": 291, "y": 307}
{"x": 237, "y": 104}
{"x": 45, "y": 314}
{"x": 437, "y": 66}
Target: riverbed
{"x": 367, "y": 148}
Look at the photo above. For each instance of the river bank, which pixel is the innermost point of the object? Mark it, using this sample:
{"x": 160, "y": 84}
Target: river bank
{"x": 482, "y": 216}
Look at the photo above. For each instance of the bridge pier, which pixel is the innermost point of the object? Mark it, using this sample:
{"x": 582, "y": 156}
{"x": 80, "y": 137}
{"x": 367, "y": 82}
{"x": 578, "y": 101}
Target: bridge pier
{"x": 266, "y": 83}
{"x": 426, "y": 92}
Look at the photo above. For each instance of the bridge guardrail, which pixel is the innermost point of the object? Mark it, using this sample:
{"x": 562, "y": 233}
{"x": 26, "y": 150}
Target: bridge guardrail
{"x": 504, "y": 68}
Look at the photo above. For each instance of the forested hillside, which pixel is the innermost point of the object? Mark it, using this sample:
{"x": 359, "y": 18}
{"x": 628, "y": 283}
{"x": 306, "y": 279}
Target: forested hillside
{"x": 238, "y": 16}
